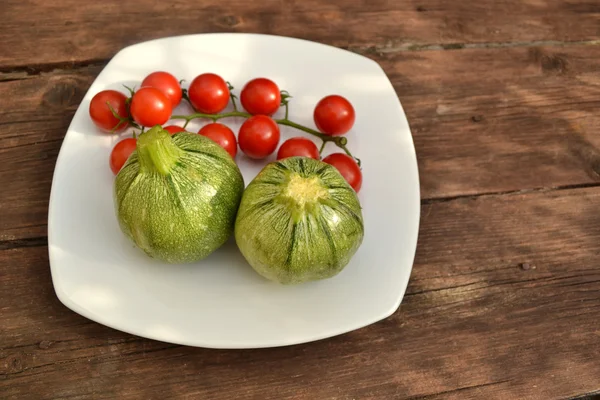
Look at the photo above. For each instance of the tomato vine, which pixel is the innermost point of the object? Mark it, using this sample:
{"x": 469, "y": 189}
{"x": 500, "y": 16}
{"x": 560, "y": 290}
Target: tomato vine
{"x": 208, "y": 95}
{"x": 339, "y": 141}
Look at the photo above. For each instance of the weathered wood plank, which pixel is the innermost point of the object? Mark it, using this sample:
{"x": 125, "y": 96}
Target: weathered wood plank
{"x": 34, "y": 116}
{"x": 36, "y": 32}
{"x": 503, "y": 303}
{"x": 483, "y": 121}
{"x": 501, "y": 120}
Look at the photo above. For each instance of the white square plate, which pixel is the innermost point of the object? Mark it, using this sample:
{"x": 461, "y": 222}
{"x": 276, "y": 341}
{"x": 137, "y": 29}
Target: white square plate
{"x": 221, "y": 302}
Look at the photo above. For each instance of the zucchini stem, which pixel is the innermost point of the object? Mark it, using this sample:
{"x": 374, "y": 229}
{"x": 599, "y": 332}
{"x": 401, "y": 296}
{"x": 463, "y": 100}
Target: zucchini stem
{"x": 156, "y": 151}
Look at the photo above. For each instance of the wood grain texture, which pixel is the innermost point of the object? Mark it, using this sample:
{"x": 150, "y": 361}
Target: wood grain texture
{"x": 483, "y": 121}
{"x": 62, "y": 32}
{"x": 503, "y": 303}
{"x": 501, "y": 120}
{"x": 34, "y": 115}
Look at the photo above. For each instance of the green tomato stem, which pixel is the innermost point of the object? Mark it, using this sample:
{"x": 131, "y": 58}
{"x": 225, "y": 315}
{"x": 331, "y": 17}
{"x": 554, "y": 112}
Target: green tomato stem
{"x": 232, "y": 96}
{"x": 125, "y": 121}
{"x": 339, "y": 141}
{"x": 322, "y": 148}
{"x": 303, "y": 128}
{"x": 213, "y": 117}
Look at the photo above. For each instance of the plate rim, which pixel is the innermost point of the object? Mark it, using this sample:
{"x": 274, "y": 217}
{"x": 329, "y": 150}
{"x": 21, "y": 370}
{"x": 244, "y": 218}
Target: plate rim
{"x": 74, "y": 306}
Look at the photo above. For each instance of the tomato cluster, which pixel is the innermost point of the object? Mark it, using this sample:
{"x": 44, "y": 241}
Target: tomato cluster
{"x": 209, "y": 94}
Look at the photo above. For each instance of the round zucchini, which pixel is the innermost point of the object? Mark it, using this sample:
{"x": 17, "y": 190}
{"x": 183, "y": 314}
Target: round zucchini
{"x": 299, "y": 221}
{"x": 177, "y": 196}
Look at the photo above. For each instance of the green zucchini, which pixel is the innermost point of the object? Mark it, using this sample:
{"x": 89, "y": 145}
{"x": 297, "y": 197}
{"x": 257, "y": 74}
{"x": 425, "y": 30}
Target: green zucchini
{"x": 177, "y": 196}
{"x": 299, "y": 221}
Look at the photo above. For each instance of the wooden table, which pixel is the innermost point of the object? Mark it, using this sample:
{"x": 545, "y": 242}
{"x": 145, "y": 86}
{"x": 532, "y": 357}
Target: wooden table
{"x": 503, "y": 98}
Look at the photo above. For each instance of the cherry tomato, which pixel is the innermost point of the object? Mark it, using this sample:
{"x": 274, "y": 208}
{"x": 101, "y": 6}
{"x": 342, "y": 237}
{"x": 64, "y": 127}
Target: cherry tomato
{"x": 120, "y": 153}
{"x": 259, "y": 136}
{"x": 261, "y": 96}
{"x": 150, "y": 106}
{"x": 298, "y": 146}
{"x": 334, "y": 115}
{"x": 166, "y": 83}
{"x": 173, "y": 129}
{"x": 209, "y": 93}
{"x": 347, "y": 167}
{"x": 101, "y": 114}
{"x": 222, "y": 135}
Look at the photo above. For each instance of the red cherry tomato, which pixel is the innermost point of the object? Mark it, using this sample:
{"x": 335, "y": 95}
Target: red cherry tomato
{"x": 150, "y": 106}
{"x": 101, "y": 114}
{"x": 259, "y": 136}
{"x": 347, "y": 167}
{"x": 261, "y": 96}
{"x": 173, "y": 129}
{"x": 222, "y": 135}
{"x": 209, "y": 93}
{"x": 334, "y": 115}
{"x": 166, "y": 83}
{"x": 298, "y": 146}
{"x": 120, "y": 153}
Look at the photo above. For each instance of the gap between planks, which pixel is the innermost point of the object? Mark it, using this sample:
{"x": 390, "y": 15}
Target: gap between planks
{"x": 18, "y": 72}
{"x": 404, "y": 47}
{"x": 434, "y": 200}
{"x": 588, "y": 396}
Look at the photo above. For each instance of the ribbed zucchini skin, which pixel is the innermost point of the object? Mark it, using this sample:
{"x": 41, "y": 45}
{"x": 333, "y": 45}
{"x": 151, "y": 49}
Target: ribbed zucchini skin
{"x": 299, "y": 221}
{"x": 187, "y": 214}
